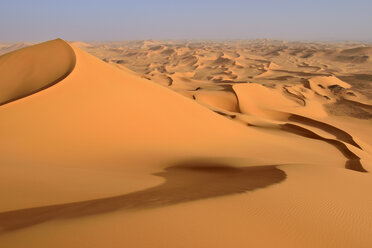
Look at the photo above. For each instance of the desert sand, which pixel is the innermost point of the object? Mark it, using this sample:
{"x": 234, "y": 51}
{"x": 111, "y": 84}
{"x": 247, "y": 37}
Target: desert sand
{"x": 186, "y": 144}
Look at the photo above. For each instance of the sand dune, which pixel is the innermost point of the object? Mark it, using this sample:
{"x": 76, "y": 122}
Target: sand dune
{"x": 187, "y": 137}
{"x": 7, "y": 48}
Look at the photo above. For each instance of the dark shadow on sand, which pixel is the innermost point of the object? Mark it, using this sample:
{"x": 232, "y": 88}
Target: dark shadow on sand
{"x": 184, "y": 183}
{"x": 352, "y": 162}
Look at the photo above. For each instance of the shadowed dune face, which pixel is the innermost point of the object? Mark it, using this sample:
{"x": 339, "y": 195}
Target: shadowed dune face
{"x": 352, "y": 162}
{"x": 340, "y": 134}
{"x": 257, "y": 100}
{"x": 32, "y": 69}
{"x": 184, "y": 182}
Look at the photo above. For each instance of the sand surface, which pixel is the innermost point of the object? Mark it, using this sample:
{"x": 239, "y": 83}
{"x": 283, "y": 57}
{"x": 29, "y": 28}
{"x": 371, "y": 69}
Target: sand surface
{"x": 185, "y": 144}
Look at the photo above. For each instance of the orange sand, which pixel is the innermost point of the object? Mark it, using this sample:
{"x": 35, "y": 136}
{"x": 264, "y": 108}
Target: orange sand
{"x": 95, "y": 155}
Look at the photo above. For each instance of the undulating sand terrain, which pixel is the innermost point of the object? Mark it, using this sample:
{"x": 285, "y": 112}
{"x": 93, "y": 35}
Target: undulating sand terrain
{"x": 258, "y": 143}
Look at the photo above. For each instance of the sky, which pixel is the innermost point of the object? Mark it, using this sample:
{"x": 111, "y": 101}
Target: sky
{"x": 105, "y": 20}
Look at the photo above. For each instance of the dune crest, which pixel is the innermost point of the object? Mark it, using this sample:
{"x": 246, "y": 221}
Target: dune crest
{"x": 46, "y": 64}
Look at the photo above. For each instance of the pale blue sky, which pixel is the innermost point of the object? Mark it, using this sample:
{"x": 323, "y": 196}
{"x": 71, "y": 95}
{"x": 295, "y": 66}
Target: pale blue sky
{"x": 38, "y": 20}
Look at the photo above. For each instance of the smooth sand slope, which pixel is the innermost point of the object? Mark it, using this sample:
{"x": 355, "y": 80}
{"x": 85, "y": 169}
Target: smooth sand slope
{"x": 94, "y": 155}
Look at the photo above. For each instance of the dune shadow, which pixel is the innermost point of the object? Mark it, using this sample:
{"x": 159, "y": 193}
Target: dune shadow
{"x": 352, "y": 162}
{"x": 338, "y": 133}
{"x": 185, "y": 182}
{"x": 297, "y": 98}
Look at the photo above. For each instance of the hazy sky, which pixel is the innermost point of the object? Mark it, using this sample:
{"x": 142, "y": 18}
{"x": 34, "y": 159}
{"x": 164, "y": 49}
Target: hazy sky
{"x": 37, "y": 20}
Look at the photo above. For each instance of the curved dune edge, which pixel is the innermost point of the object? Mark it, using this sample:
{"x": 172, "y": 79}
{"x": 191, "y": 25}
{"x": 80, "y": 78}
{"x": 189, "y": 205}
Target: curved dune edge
{"x": 353, "y": 161}
{"x": 340, "y": 134}
{"x": 185, "y": 182}
{"x": 32, "y": 69}
{"x": 267, "y": 109}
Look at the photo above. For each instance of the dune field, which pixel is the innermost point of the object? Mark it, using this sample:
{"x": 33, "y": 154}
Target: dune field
{"x": 260, "y": 143}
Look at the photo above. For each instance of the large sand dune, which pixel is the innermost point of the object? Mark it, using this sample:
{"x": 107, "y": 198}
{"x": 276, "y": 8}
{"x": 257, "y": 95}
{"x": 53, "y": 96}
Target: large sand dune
{"x": 192, "y": 146}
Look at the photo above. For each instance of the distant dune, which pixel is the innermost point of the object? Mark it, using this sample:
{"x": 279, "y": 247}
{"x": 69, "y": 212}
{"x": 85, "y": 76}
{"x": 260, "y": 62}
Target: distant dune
{"x": 185, "y": 144}
{"x": 7, "y": 48}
